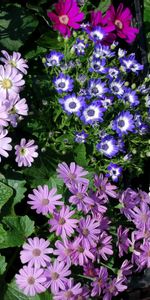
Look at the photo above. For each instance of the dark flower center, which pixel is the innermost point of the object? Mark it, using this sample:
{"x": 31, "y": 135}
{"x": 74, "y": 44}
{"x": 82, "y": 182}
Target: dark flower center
{"x": 119, "y": 24}
{"x": 105, "y": 147}
{"x": 61, "y": 85}
{"x": 91, "y": 112}
{"x": 31, "y": 280}
{"x": 81, "y": 249}
{"x": 45, "y": 201}
{"x": 96, "y": 67}
{"x": 95, "y": 90}
{"x": 85, "y": 231}
{"x": 53, "y": 61}
{"x": 69, "y": 294}
{"x": 114, "y": 172}
{"x": 79, "y": 196}
{"x": 121, "y": 123}
{"x": 115, "y": 89}
{"x": 54, "y": 275}
{"x": 36, "y": 252}
{"x": 72, "y": 104}
{"x": 62, "y": 221}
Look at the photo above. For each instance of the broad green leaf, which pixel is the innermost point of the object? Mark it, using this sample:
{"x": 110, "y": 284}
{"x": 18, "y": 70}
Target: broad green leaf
{"x": 18, "y": 184}
{"x": 3, "y": 264}
{"x": 36, "y": 52}
{"x": 146, "y": 10}
{"x": 5, "y": 193}
{"x": 49, "y": 40}
{"x": 104, "y": 4}
{"x": 80, "y": 155}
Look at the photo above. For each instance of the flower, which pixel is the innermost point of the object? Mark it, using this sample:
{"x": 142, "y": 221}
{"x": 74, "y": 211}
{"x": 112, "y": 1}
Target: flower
{"x": 72, "y": 174}
{"x": 123, "y": 123}
{"x": 54, "y": 58}
{"x": 96, "y": 88}
{"x": 80, "y": 137}
{"x": 92, "y": 113}
{"x": 131, "y": 97}
{"x": 98, "y": 66}
{"x": 145, "y": 255}
{"x": 10, "y": 81}
{"x": 114, "y": 287}
{"x": 117, "y": 88}
{"x": 104, "y": 188}
{"x": 81, "y": 255}
{"x": 113, "y": 73}
{"x": 63, "y": 83}
{"x": 35, "y": 252}
{"x": 100, "y": 282}
{"x": 16, "y": 107}
{"x": 80, "y": 197}
{"x": 62, "y": 223}
{"x": 67, "y": 15}
{"x": 108, "y": 146}
{"x": 129, "y": 200}
{"x": 71, "y": 291}
{"x": 121, "y": 19}
{"x": 44, "y": 200}
{"x": 80, "y": 47}
{"x": 4, "y": 143}
{"x": 123, "y": 240}
{"x": 102, "y": 51}
{"x": 129, "y": 63}
{"x": 104, "y": 247}
{"x": 106, "y": 101}
{"x": 114, "y": 171}
{"x": 72, "y": 104}
{"x": 56, "y": 274}
{"x": 96, "y": 34}
{"x": 140, "y": 215}
{"x": 64, "y": 250}
{"x": 125, "y": 269}
{"x": 31, "y": 280}
{"x": 3, "y": 116}
{"x": 25, "y": 153}
{"x": 15, "y": 61}
{"x": 89, "y": 230}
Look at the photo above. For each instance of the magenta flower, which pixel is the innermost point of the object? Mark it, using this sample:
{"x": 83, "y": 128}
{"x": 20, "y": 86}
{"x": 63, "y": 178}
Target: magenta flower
{"x": 123, "y": 240}
{"x": 89, "y": 230}
{"x": 15, "y": 60}
{"x": 44, "y": 200}
{"x": 70, "y": 292}
{"x": 67, "y": 15}
{"x": 104, "y": 188}
{"x": 10, "y": 81}
{"x": 113, "y": 288}
{"x": 25, "y": 153}
{"x": 81, "y": 255}
{"x": 4, "y": 143}
{"x": 56, "y": 275}
{"x": 62, "y": 223}
{"x": 104, "y": 247}
{"x": 35, "y": 252}
{"x": 64, "y": 250}
{"x": 31, "y": 280}
{"x": 72, "y": 174}
{"x": 100, "y": 282}
{"x": 80, "y": 197}
{"x": 121, "y": 19}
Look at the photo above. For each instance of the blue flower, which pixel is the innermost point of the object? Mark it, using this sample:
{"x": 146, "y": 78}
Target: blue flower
{"x": 98, "y": 66}
{"x": 80, "y": 137}
{"x": 92, "y": 113}
{"x": 101, "y": 51}
{"x": 96, "y": 34}
{"x": 123, "y": 123}
{"x": 115, "y": 171}
{"x": 72, "y": 104}
{"x": 129, "y": 64}
{"x": 113, "y": 73}
{"x": 108, "y": 146}
{"x": 54, "y": 58}
{"x": 117, "y": 88}
{"x": 96, "y": 88}
{"x": 106, "y": 101}
{"x": 63, "y": 83}
{"x": 80, "y": 47}
{"x": 131, "y": 97}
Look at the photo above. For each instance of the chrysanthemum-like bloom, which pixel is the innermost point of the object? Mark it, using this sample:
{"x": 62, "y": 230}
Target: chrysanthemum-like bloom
{"x": 114, "y": 287}
{"x": 72, "y": 104}
{"x": 63, "y": 83}
{"x": 72, "y": 174}
{"x": 117, "y": 88}
{"x": 71, "y": 291}
{"x": 131, "y": 97}
{"x": 80, "y": 137}
{"x": 4, "y": 144}
{"x": 62, "y": 223}
{"x": 89, "y": 230}
{"x": 10, "y": 81}
{"x": 100, "y": 282}
{"x": 108, "y": 146}
{"x": 64, "y": 250}
{"x": 101, "y": 51}
{"x": 67, "y": 15}
{"x": 54, "y": 58}
{"x": 16, "y": 107}
{"x": 3, "y": 116}
{"x": 125, "y": 269}
{"x": 96, "y": 88}
{"x": 98, "y": 66}
{"x": 25, "y": 153}
{"x": 123, "y": 123}
{"x": 80, "y": 197}
{"x": 121, "y": 19}
{"x": 104, "y": 247}
{"x": 44, "y": 200}
{"x": 92, "y": 113}
{"x": 123, "y": 240}
{"x": 31, "y": 280}
{"x": 104, "y": 188}
{"x": 56, "y": 275}
{"x": 81, "y": 255}
{"x": 35, "y": 252}
{"x": 80, "y": 47}
{"x": 15, "y": 60}
{"x": 114, "y": 171}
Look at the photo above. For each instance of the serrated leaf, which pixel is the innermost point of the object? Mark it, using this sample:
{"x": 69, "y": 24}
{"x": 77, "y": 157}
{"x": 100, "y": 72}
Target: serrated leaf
{"x": 5, "y": 193}
{"x": 3, "y": 264}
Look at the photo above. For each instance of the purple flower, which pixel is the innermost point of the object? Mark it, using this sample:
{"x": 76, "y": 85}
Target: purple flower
{"x": 103, "y": 51}
{"x": 16, "y": 107}
{"x": 117, "y": 88}
{"x": 129, "y": 200}
{"x": 15, "y": 60}
{"x": 104, "y": 247}
{"x": 72, "y": 174}
{"x": 71, "y": 291}
{"x": 98, "y": 66}
{"x": 131, "y": 97}
{"x": 64, "y": 250}
{"x": 4, "y": 143}
{"x": 56, "y": 274}
{"x": 10, "y": 81}
{"x": 89, "y": 230}
{"x": 123, "y": 240}
{"x": 31, "y": 280}
{"x": 140, "y": 215}
{"x": 62, "y": 223}
{"x": 113, "y": 73}
{"x": 104, "y": 188}
{"x": 63, "y": 83}
{"x": 35, "y": 252}
{"x": 72, "y": 104}
{"x": 44, "y": 200}
{"x": 96, "y": 34}
{"x": 123, "y": 123}
{"x": 54, "y": 58}
{"x": 90, "y": 270}
{"x": 114, "y": 171}
{"x": 96, "y": 88}
{"x": 3, "y": 116}
{"x": 113, "y": 288}
{"x": 129, "y": 64}
{"x": 84, "y": 295}
{"x": 80, "y": 47}
{"x": 25, "y": 153}
{"x": 80, "y": 197}
{"x": 96, "y": 209}
{"x": 81, "y": 255}
{"x": 100, "y": 282}
{"x": 145, "y": 255}
{"x": 125, "y": 269}
{"x": 80, "y": 137}
{"x": 108, "y": 146}
{"x": 92, "y": 113}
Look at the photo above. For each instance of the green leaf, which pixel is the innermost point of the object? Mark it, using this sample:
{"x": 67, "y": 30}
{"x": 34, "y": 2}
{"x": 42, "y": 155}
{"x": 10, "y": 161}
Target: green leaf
{"x": 103, "y": 6}
{"x": 80, "y": 155}
{"x": 146, "y": 10}
{"x": 5, "y": 193}
{"x": 36, "y": 52}
{"x": 49, "y": 40}
{"x": 18, "y": 184}
{"x": 3, "y": 264}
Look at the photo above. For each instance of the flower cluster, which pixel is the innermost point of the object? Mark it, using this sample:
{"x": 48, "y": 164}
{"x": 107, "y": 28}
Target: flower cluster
{"x": 13, "y": 108}
{"x": 84, "y": 242}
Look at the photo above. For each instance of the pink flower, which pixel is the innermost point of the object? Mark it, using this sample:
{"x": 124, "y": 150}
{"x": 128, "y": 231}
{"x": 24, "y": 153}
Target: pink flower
{"x": 71, "y": 291}
{"x": 35, "y": 252}
{"x": 15, "y": 60}
{"x": 122, "y": 21}
{"x": 16, "y": 107}
{"x": 25, "y": 153}
{"x": 81, "y": 255}
{"x": 3, "y": 116}
{"x": 44, "y": 200}
{"x": 67, "y": 15}
{"x": 89, "y": 230}
{"x": 62, "y": 223}
{"x": 64, "y": 250}
{"x": 31, "y": 280}
{"x": 4, "y": 143}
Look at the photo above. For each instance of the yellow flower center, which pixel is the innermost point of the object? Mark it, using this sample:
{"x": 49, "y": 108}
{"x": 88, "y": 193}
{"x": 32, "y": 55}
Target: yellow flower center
{"x": 22, "y": 151}
{"x": 12, "y": 63}
{"x": 118, "y": 24}
{"x": 6, "y": 84}
{"x": 64, "y": 19}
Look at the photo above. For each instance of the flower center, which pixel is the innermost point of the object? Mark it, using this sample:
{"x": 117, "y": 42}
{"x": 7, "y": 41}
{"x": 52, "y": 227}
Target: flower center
{"x": 81, "y": 249}
{"x": 62, "y": 221}
{"x": 45, "y": 201}
{"x": 72, "y": 104}
{"x": 105, "y": 147}
{"x": 91, "y": 112}
{"x": 6, "y": 83}
{"x": 115, "y": 89}
{"x": 69, "y": 294}
{"x": 95, "y": 90}
{"x": 36, "y": 252}
{"x": 12, "y": 63}
{"x": 22, "y": 151}
{"x": 85, "y": 231}
{"x": 31, "y": 280}
{"x": 100, "y": 281}
{"x": 121, "y": 123}
{"x": 64, "y": 19}
{"x": 119, "y": 24}
{"x": 55, "y": 275}
{"x": 79, "y": 196}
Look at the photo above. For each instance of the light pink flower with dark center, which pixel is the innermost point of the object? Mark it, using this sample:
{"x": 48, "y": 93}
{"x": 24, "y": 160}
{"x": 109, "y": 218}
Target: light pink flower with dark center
{"x": 15, "y": 60}
{"x": 62, "y": 223}
{"x": 70, "y": 291}
{"x": 25, "y": 153}
{"x": 64, "y": 250}
{"x": 31, "y": 280}
{"x": 43, "y": 200}
{"x": 10, "y": 81}
{"x": 35, "y": 252}
{"x": 67, "y": 15}
{"x": 56, "y": 275}
{"x": 80, "y": 197}
{"x": 81, "y": 255}
{"x": 104, "y": 247}
{"x": 89, "y": 230}
{"x": 104, "y": 188}
{"x": 4, "y": 143}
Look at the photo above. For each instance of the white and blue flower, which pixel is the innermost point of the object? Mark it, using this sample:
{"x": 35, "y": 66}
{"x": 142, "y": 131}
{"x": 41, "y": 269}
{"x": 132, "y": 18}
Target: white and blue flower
{"x": 131, "y": 97}
{"x": 117, "y": 88}
{"x": 92, "y": 113}
{"x": 96, "y": 88}
{"x": 115, "y": 171}
{"x": 96, "y": 34}
{"x": 80, "y": 47}
{"x": 80, "y": 137}
{"x": 72, "y": 104}
{"x": 98, "y": 66}
{"x": 123, "y": 123}
{"x": 108, "y": 146}
{"x": 54, "y": 58}
{"x": 63, "y": 83}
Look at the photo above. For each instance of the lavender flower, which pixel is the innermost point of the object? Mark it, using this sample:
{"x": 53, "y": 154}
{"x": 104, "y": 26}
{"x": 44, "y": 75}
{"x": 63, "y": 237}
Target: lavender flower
{"x": 81, "y": 255}
{"x": 104, "y": 247}
{"x": 89, "y": 230}
{"x": 145, "y": 255}
{"x": 10, "y": 81}
{"x": 71, "y": 291}
{"x": 16, "y": 107}
{"x": 125, "y": 269}
{"x": 100, "y": 282}
{"x": 140, "y": 215}
{"x": 72, "y": 104}
{"x": 72, "y": 174}
{"x": 25, "y": 153}
{"x": 129, "y": 200}
{"x": 64, "y": 250}
{"x": 108, "y": 146}
{"x": 114, "y": 171}
{"x": 15, "y": 61}
{"x": 123, "y": 240}
{"x": 104, "y": 188}
{"x": 63, "y": 83}
{"x": 123, "y": 123}
{"x": 4, "y": 143}
{"x": 3, "y": 116}
{"x": 54, "y": 58}
{"x": 80, "y": 197}
{"x": 114, "y": 287}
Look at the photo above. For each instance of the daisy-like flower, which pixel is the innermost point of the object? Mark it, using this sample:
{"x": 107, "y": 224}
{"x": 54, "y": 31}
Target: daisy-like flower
{"x": 72, "y": 104}
{"x": 10, "y": 81}
{"x": 131, "y": 97}
{"x": 54, "y": 58}
{"x": 129, "y": 63}
{"x": 114, "y": 287}
{"x": 63, "y": 83}
{"x": 56, "y": 275}
{"x": 72, "y": 174}
{"x": 100, "y": 281}
{"x": 80, "y": 197}
{"x": 16, "y": 107}
{"x": 35, "y": 252}
{"x": 96, "y": 88}
{"x": 31, "y": 280}
{"x": 80, "y": 47}
{"x": 4, "y": 143}
{"x": 98, "y": 66}
{"x": 67, "y": 15}
{"x": 125, "y": 269}
{"x": 106, "y": 101}
{"x": 92, "y": 113}
{"x": 15, "y": 60}
{"x": 102, "y": 51}
{"x": 117, "y": 88}
{"x": 44, "y": 200}
{"x": 108, "y": 146}
{"x": 96, "y": 34}
{"x": 123, "y": 240}
{"x": 62, "y": 224}
{"x": 115, "y": 171}
{"x": 123, "y": 123}
{"x": 3, "y": 116}
{"x": 71, "y": 291}
{"x": 104, "y": 188}
{"x": 113, "y": 73}
{"x": 63, "y": 250}
{"x": 141, "y": 215}
{"x": 80, "y": 137}
{"x": 89, "y": 230}
{"x": 25, "y": 153}
{"x": 104, "y": 247}
{"x": 81, "y": 255}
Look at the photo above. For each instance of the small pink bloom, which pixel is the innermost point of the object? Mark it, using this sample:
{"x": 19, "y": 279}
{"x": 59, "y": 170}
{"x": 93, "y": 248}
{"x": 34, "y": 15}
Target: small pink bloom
{"x": 15, "y": 60}
{"x": 4, "y": 143}
{"x": 25, "y": 153}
